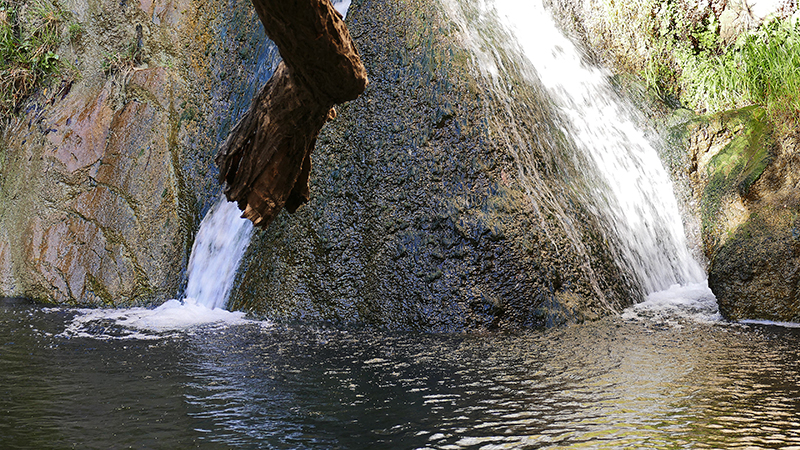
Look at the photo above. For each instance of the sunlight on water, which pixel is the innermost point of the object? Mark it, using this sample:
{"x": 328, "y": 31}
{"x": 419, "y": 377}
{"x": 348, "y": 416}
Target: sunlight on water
{"x": 770, "y": 323}
{"x": 614, "y": 383}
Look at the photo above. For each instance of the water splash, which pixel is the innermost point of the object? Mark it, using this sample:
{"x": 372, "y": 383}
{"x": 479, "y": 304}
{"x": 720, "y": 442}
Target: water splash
{"x": 168, "y": 320}
{"x": 692, "y": 301}
{"x": 623, "y": 178}
{"x": 219, "y": 245}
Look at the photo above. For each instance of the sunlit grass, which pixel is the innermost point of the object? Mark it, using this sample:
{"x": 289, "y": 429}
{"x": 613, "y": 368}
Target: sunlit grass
{"x": 30, "y": 33}
{"x": 678, "y": 52}
{"x": 761, "y": 68}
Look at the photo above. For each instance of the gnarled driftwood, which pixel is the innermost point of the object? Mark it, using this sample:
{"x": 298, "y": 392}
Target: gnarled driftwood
{"x": 266, "y": 160}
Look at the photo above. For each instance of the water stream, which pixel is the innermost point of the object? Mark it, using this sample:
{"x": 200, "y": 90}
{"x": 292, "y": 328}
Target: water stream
{"x": 219, "y": 245}
{"x": 622, "y": 176}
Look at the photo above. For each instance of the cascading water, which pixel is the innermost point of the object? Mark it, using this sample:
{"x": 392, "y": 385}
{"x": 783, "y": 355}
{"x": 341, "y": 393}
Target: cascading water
{"x": 219, "y": 245}
{"x": 624, "y": 179}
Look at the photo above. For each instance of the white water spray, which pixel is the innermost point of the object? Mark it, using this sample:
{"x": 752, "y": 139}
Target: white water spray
{"x": 627, "y": 180}
{"x": 219, "y": 245}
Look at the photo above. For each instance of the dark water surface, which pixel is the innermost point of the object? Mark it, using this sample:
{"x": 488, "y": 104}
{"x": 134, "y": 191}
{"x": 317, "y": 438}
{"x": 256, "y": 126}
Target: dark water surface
{"x": 609, "y": 384}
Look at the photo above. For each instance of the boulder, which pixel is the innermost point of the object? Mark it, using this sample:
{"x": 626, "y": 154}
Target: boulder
{"x": 746, "y": 183}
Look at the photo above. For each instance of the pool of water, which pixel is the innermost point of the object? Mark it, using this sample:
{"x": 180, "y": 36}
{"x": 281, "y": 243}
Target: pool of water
{"x": 635, "y": 381}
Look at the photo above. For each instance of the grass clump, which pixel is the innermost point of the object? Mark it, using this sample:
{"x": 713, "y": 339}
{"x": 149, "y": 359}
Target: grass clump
{"x": 121, "y": 62}
{"x": 677, "y": 48}
{"x": 762, "y": 67}
{"x": 30, "y": 33}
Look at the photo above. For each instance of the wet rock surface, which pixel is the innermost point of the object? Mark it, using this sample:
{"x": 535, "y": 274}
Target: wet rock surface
{"x": 423, "y": 214}
{"x": 418, "y": 217}
{"x": 746, "y": 183}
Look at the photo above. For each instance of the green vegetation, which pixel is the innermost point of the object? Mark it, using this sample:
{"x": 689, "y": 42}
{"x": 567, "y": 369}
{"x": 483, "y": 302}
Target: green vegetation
{"x": 121, "y": 61}
{"x": 30, "y": 33}
{"x": 736, "y": 167}
{"x": 680, "y": 53}
{"x": 762, "y": 68}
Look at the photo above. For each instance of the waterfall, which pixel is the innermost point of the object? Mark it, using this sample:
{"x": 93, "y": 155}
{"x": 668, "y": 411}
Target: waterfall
{"x": 219, "y": 245}
{"x": 623, "y": 178}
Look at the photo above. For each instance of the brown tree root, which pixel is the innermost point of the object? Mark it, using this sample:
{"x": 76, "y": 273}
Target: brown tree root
{"x": 266, "y": 160}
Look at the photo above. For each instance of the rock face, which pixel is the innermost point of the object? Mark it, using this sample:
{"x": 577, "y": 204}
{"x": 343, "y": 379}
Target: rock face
{"x": 104, "y": 176}
{"x": 749, "y": 194}
{"x": 419, "y": 217}
{"x": 435, "y": 206}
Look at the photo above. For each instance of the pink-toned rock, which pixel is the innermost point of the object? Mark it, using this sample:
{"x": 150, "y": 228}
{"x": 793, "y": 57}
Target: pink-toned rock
{"x": 79, "y": 132}
{"x": 161, "y": 12}
{"x": 155, "y": 81}
{"x": 103, "y": 175}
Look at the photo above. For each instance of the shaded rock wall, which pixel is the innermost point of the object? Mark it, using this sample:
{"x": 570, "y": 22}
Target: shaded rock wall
{"x": 419, "y": 214}
{"x": 105, "y": 174}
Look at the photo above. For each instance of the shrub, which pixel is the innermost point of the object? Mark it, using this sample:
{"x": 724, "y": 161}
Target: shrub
{"x": 762, "y": 67}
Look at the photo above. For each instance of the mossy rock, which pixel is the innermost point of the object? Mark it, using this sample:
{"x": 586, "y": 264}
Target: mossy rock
{"x": 743, "y": 181}
{"x": 731, "y": 172}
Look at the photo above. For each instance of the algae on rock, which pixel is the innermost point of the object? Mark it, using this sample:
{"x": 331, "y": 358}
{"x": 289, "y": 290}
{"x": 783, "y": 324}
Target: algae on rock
{"x": 749, "y": 209}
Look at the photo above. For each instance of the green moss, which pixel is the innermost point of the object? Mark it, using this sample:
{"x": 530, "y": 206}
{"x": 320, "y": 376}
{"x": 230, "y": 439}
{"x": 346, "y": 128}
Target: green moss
{"x": 740, "y": 164}
{"x": 99, "y": 289}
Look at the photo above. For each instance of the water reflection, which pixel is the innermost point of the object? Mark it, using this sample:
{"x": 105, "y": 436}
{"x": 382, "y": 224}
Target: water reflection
{"x": 612, "y": 384}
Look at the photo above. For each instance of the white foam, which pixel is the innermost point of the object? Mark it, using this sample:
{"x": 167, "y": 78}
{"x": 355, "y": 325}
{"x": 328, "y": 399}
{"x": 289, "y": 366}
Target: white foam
{"x": 770, "y": 323}
{"x": 693, "y": 301}
{"x": 169, "y": 319}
